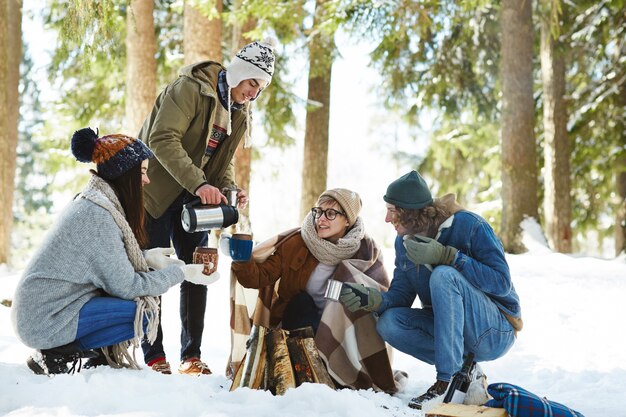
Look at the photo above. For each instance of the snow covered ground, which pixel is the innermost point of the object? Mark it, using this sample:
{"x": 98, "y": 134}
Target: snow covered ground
{"x": 571, "y": 351}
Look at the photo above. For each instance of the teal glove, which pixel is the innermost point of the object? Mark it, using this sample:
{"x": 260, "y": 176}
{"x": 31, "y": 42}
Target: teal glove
{"x": 359, "y": 297}
{"x": 426, "y": 251}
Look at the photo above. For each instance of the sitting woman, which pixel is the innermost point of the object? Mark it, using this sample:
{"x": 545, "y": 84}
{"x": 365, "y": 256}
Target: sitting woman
{"x": 296, "y": 266}
{"x": 89, "y": 285}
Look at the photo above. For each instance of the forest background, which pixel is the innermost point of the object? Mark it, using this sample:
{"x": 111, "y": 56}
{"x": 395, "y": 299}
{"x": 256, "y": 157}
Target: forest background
{"x": 518, "y": 107}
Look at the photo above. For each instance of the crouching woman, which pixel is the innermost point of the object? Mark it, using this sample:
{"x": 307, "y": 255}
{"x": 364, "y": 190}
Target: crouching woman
{"x": 292, "y": 271}
{"x": 89, "y": 284}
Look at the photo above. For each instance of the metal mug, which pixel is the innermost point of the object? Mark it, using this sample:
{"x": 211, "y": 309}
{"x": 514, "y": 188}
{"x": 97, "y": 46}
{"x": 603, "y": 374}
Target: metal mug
{"x": 333, "y": 290}
{"x": 231, "y": 196}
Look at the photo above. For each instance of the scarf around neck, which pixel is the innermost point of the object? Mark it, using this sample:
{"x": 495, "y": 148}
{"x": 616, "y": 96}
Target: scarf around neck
{"x": 330, "y": 253}
{"x": 99, "y": 192}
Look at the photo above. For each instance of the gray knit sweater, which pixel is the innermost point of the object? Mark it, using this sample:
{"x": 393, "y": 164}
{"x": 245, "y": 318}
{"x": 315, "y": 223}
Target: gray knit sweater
{"x": 82, "y": 255}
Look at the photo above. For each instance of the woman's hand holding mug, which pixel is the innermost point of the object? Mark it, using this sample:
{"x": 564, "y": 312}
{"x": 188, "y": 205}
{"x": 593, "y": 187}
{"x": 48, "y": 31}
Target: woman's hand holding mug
{"x": 238, "y": 246}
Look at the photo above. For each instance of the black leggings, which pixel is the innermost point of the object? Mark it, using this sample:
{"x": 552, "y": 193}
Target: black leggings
{"x": 301, "y": 311}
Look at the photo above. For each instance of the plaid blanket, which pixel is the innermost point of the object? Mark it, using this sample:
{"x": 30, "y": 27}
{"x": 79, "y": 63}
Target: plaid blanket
{"x": 520, "y": 403}
{"x": 354, "y": 353}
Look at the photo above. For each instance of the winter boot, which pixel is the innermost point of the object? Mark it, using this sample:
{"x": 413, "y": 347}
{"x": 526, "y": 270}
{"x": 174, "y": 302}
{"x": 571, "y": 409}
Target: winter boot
{"x": 99, "y": 359}
{"x": 438, "y": 389}
{"x": 194, "y": 366}
{"x": 54, "y": 361}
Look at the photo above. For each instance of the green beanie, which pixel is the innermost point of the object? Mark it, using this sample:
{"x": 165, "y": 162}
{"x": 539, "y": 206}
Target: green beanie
{"x": 409, "y": 191}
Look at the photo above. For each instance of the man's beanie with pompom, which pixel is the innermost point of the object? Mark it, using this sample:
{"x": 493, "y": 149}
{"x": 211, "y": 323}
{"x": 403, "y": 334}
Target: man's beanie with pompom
{"x": 409, "y": 191}
{"x": 254, "y": 61}
{"x": 349, "y": 201}
{"x": 113, "y": 154}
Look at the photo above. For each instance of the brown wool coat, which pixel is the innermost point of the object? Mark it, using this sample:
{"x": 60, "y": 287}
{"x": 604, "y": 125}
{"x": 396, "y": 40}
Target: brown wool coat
{"x": 354, "y": 353}
{"x": 292, "y": 262}
{"x": 177, "y": 132}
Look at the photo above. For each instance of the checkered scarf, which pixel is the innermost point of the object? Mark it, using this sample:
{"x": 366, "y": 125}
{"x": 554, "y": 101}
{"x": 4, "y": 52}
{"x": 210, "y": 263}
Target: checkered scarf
{"x": 354, "y": 353}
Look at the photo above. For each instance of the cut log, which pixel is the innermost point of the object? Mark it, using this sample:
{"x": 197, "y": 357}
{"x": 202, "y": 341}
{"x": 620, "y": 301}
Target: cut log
{"x": 320, "y": 373}
{"x": 276, "y": 362}
{"x": 300, "y": 360}
{"x": 251, "y": 372}
{"x": 280, "y": 375}
{"x": 237, "y": 377}
{"x": 302, "y": 332}
{"x": 306, "y": 344}
{"x": 460, "y": 410}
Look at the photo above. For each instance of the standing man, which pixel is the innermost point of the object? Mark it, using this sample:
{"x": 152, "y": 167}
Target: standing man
{"x": 194, "y": 128}
{"x": 452, "y": 260}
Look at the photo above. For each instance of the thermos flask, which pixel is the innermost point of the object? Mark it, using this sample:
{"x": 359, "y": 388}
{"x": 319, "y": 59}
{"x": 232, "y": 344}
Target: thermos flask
{"x": 198, "y": 218}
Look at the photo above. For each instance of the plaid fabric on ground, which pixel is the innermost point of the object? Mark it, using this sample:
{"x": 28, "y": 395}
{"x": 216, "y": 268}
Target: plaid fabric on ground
{"x": 354, "y": 353}
{"x": 520, "y": 403}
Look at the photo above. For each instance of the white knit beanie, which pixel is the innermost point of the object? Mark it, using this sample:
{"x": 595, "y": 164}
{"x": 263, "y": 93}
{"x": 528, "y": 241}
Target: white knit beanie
{"x": 254, "y": 61}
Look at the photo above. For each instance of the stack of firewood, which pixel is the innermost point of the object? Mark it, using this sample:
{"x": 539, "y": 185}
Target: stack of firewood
{"x": 277, "y": 360}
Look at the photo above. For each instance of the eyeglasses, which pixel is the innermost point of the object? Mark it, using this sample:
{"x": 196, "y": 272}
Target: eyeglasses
{"x": 330, "y": 214}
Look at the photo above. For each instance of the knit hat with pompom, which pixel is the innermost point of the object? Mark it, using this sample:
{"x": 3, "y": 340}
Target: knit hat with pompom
{"x": 113, "y": 154}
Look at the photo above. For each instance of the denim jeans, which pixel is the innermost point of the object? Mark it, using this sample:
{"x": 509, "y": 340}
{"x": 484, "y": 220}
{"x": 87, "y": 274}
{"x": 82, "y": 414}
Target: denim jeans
{"x": 105, "y": 321}
{"x": 462, "y": 319}
{"x": 161, "y": 231}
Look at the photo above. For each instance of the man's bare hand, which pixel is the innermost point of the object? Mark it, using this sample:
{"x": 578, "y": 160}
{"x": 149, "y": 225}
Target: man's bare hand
{"x": 210, "y": 195}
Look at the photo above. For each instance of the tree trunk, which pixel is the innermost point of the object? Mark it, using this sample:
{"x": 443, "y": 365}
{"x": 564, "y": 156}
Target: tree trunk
{"x": 203, "y": 36}
{"x": 141, "y": 67}
{"x": 315, "y": 164}
{"x": 243, "y": 156}
{"x": 620, "y": 183}
{"x": 557, "y": 150}
{"x": 10, "y": 58}
{"x": 519, "y": 166}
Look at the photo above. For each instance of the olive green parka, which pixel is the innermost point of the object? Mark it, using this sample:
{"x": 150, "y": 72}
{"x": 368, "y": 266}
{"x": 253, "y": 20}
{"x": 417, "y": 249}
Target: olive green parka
{"x": 177, "y": 131}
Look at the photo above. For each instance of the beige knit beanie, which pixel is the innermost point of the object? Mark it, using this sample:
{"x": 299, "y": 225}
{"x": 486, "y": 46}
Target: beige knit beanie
{"x": 349, "y": 201}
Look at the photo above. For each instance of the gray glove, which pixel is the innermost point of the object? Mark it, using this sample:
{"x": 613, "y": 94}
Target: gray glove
{"x": 423, "y": 250}
{"x": 193, "y": 273}
{"x": 359, "y": 297}
{"x": 159, "y": 258}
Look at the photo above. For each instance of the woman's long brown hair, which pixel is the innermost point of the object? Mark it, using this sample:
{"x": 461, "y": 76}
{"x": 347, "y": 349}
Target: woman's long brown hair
{"x": 129, "y": 190}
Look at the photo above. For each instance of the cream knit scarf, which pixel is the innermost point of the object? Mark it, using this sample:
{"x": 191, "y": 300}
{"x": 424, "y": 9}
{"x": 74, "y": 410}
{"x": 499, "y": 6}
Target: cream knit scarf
{"x": 327, "y": 252}
{"x": 100, "y": 192}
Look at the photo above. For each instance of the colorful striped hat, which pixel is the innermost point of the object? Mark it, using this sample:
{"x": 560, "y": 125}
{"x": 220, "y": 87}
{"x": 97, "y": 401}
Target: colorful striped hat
{"x": 113, "y": 154}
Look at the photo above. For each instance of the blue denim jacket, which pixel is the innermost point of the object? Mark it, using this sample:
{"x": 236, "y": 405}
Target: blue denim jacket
{"x": 480, "y": 259}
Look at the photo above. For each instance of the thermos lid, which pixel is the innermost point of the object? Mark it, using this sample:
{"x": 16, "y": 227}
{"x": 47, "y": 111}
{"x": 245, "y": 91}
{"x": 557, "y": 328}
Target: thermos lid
{"x": 189, "y": 219}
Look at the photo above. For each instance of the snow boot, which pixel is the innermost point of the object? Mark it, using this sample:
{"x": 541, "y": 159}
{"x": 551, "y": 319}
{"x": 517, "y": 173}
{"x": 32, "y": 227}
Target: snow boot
{"x": 54, "y": 361}
{"x": 436, "y": 391}
{"x": 99, "y": 359}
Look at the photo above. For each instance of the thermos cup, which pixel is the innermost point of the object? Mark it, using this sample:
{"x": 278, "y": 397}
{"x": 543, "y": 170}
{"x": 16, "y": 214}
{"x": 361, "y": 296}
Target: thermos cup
{"x": 333, "y": 290}
{"x": 231, "y": 196}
